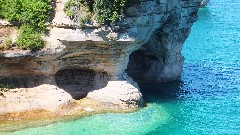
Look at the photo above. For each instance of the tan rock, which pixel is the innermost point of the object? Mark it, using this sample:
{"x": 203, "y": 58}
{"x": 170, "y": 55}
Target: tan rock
{"x": 93, "y": 61}
{"x": 120, "y": 93}
{"x": 47, "y": 97}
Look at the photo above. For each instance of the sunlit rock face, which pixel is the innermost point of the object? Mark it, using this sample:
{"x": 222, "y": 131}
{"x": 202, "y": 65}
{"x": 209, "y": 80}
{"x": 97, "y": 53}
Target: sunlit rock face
{"x": 160, "y": 58}
{"x": 85, "y": 61}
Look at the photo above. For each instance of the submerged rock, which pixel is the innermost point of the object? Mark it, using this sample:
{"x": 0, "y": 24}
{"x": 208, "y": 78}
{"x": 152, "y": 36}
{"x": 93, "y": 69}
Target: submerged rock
{"x": 204, "y": 3}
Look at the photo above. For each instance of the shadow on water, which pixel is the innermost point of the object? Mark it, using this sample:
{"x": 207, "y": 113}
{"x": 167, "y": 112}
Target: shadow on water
{"x": 169, "y": 97}
{"x": 163, "y": 92}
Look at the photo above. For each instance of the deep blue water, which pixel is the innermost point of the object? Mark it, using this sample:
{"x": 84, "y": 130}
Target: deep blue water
{"x": 205, "y": 101}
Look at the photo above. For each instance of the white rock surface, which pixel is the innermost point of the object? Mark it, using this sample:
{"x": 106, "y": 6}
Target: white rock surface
{"x": 47, "y": 97}
{"x": 120, "y": 93}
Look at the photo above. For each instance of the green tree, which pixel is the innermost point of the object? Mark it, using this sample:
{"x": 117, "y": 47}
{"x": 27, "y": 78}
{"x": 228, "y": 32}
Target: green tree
{"x": 105, "y": 11}
{"x": 108, "y": 11}
{"x": 30, "y": 16}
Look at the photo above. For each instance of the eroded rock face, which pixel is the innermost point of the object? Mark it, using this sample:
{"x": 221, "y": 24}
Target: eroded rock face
{"x": 79, "y": 82}
{"x": 160, "y": 59}
{"x": 92, "y": 61}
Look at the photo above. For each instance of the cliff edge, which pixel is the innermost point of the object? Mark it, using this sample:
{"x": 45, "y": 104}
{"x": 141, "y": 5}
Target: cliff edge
{"x": 101, "y": 63}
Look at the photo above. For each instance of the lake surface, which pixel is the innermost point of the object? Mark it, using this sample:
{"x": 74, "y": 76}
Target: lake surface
{"x": 205, "y": 101}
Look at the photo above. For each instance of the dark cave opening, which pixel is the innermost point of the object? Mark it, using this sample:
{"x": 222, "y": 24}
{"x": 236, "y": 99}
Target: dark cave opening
{"x": 144, "y": 66}
{"x": 79, "y": 82}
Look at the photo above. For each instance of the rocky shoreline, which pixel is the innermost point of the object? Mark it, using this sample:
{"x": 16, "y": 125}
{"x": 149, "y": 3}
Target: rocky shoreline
{"x": 11, "y": 122}
{"x": 101, "y": 65}
{"x": 30, "y": 107}
{"x": 37, "y": 98}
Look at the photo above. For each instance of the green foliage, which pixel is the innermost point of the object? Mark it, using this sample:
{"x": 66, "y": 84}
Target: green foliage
{"x": 8, "y": 42}
{"x": 29, "y": 38}
{"x": 86, "y": 12}
{"x": 30, "y": 13}
{"x": 84, "y": 18}
{"x": 105, "y": 11}
{"x": 2, "y": 8}
{"x": 67, "y": 7}
{"x": 108, "y": 11}
{"x": 79, "y": 10}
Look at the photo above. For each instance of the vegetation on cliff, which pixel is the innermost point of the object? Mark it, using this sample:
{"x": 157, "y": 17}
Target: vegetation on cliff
{"x": 30, "y": 16}
{"x": 103, "y": 11}
{"x": 79, "y": 11}
{"x": 29, "y": 38}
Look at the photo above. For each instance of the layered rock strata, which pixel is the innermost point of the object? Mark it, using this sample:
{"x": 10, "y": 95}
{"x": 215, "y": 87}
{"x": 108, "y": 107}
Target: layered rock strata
{"x": 104, "y": 63}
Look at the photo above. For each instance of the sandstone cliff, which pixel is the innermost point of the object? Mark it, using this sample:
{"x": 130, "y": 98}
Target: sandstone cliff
{"x": 104, "y": 63}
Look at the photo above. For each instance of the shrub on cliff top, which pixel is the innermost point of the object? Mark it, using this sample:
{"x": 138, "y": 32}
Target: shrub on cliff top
{"x": 79, "y": 10}
{"x": 29, "y": 38}
{"x": 8, "y": 42}
{"x": 104, "y": 11}
{"x": 30, "y": 13}
{"x": 108, "y": 11}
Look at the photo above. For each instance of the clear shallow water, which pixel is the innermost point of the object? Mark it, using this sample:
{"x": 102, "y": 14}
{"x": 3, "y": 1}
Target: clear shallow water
{"x": 206, "y": 101}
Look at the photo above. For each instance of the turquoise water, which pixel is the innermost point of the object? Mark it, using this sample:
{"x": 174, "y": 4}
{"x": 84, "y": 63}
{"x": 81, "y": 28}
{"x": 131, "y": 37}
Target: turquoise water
{"x": 205, "y": 101}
